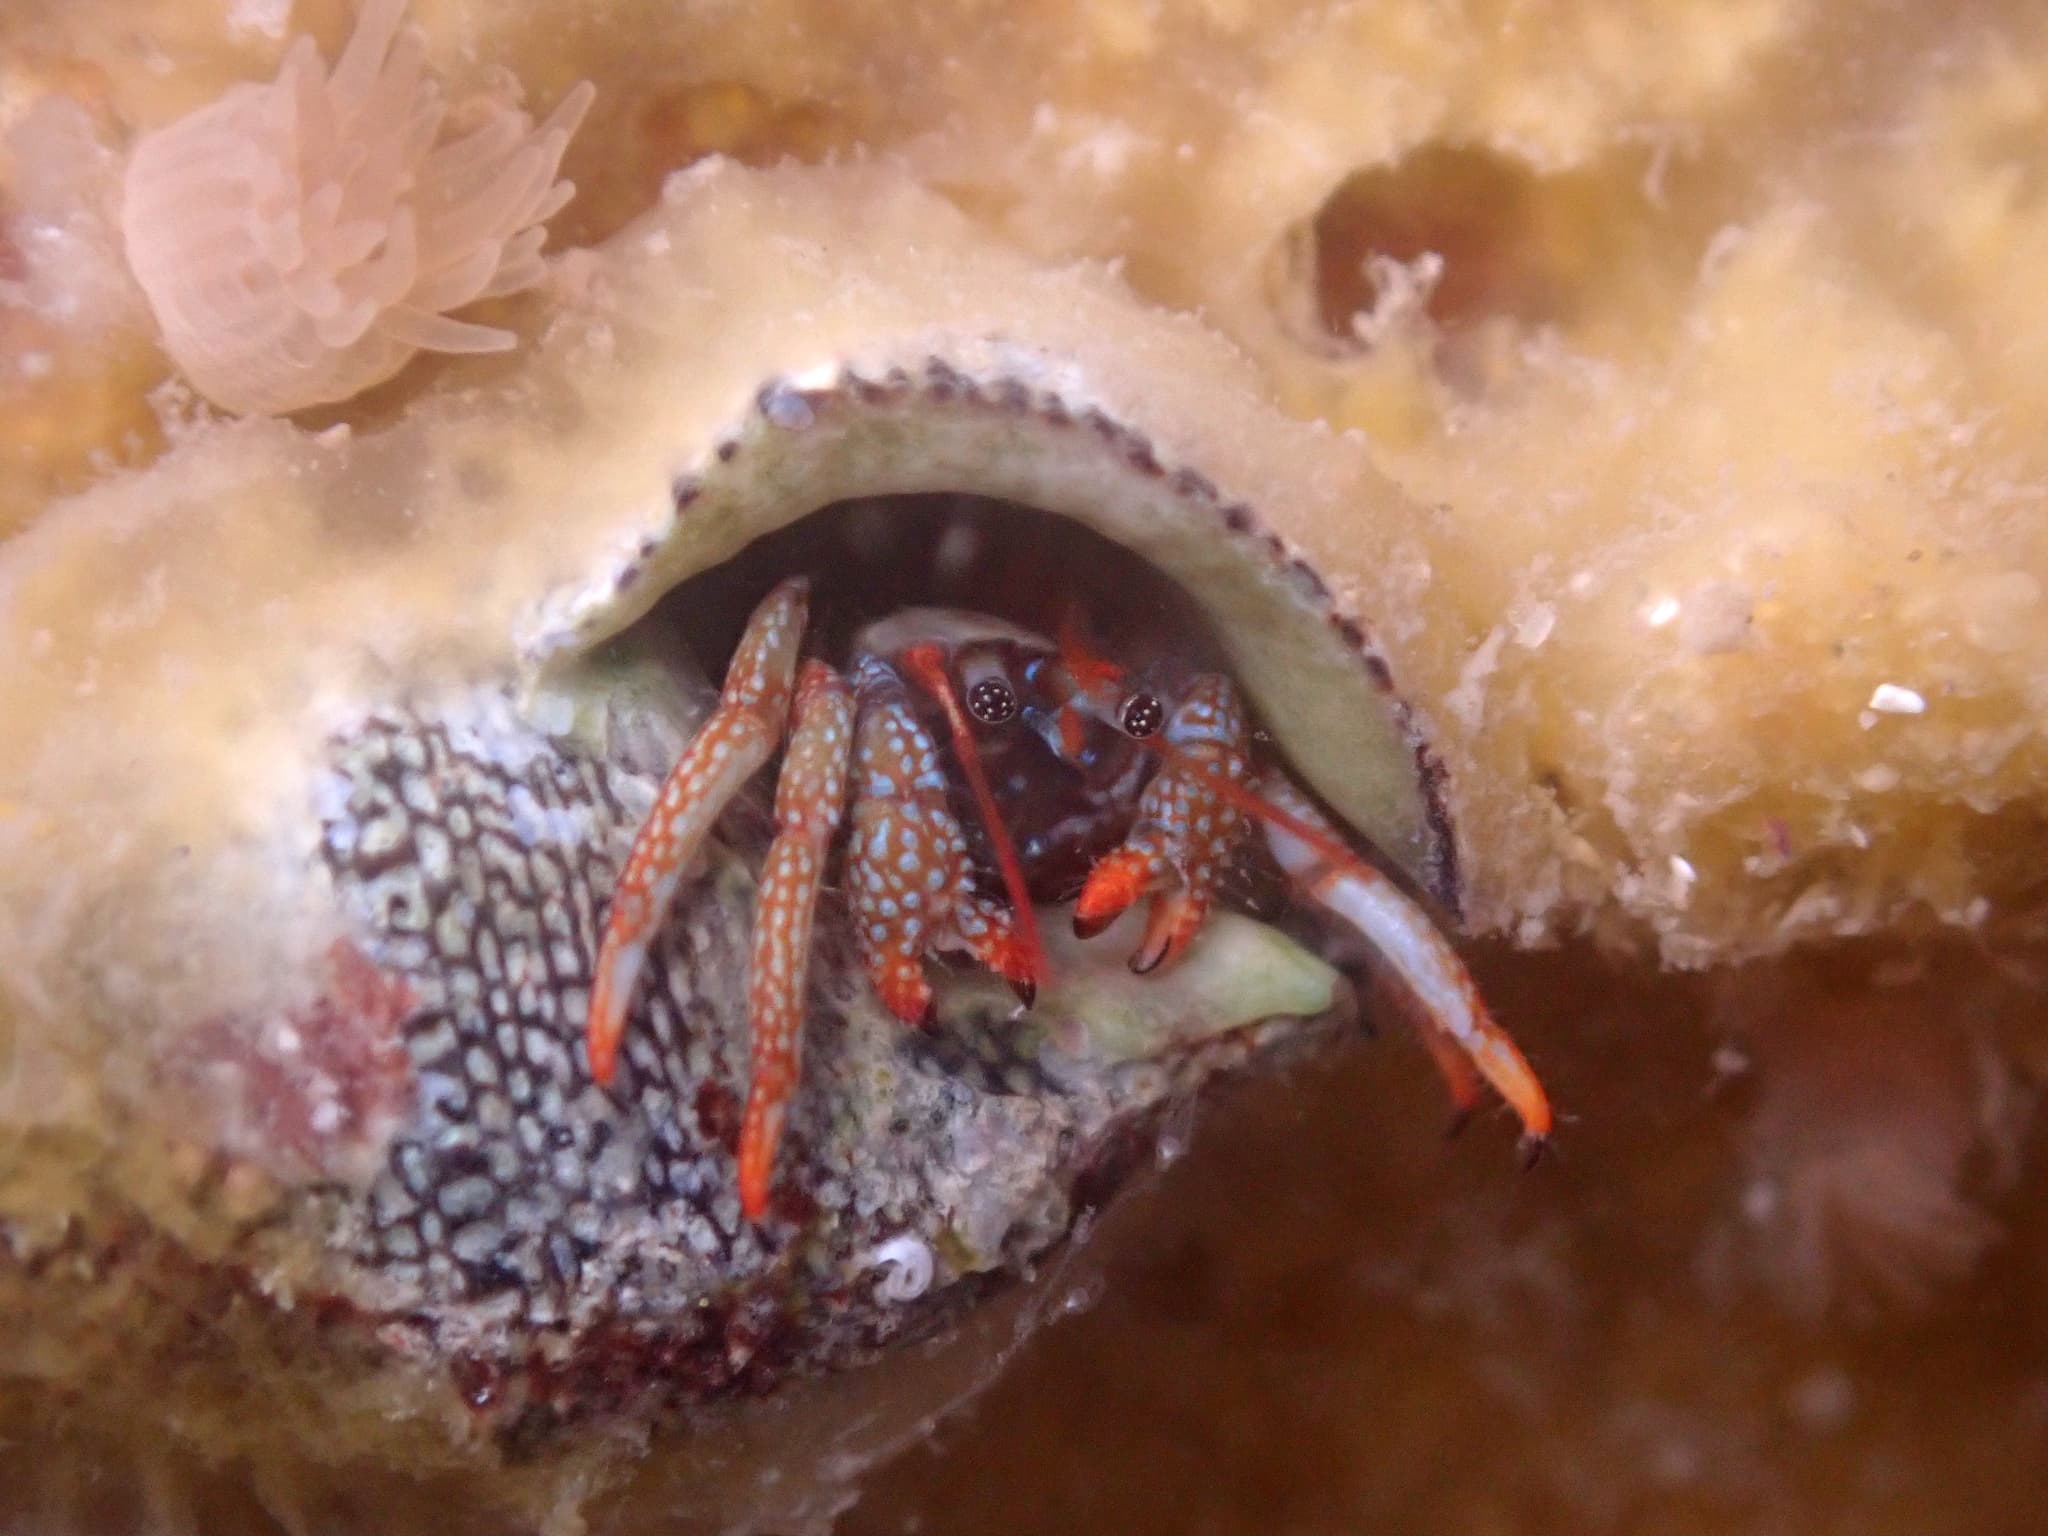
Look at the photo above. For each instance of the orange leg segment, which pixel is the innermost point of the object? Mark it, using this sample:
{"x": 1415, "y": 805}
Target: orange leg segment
{"x": 809, "y": 798}
{"x": 1462, "y": 1036}
{"x": 988, "y": 933}
{"x": 1189, "y": 820}
{"x": 924, "y": 663}
{"x": 906, "y": 867}
{"x": 732, "y": 746}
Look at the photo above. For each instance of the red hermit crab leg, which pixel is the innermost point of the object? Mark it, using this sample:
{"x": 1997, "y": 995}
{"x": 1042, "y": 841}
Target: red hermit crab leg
{"x": 906, "y": 875}
{"x": 1460, "y": 1033}
{"x": 809, "y": 798}
{"x": 1191, "y": 818}
{"x": 927, "y": 665}
{"x": 733, "y": 744}
{"x": 1186, "y": 830}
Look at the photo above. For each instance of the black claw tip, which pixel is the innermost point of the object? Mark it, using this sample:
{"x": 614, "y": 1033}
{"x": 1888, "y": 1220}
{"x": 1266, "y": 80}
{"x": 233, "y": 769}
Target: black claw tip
{"x": 1531, "y": 1150}
{"x": 1087, "y": 928}
{"x": 1460, "y": 1118}
{"x": 1145, "y": 962}
{"x": 1026, "y": 990}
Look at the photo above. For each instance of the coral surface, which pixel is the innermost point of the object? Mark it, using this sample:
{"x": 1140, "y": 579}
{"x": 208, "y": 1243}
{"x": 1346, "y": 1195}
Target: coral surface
{"x": 1658, "y": 392}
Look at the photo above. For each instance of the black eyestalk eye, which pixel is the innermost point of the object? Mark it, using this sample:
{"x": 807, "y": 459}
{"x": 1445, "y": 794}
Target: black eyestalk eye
{"x": 1142, "y": 715}
{"x": 992, "y": 701}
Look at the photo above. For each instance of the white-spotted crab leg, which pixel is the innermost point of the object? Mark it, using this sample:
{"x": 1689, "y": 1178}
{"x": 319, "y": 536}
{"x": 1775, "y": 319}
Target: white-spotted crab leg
{"x": 1461, "y": 1035}
{"x": 907, "y": 871}
{"x": 809, "y": 799}
{"x": 1193, "y": 815}
{"x": 732, "y": 746}
{"x": 1185, "y": 833}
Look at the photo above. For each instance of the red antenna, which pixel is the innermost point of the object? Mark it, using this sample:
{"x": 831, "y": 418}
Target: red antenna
{"x": 1093, "y": 675}
{"x": 1333, "y": 849}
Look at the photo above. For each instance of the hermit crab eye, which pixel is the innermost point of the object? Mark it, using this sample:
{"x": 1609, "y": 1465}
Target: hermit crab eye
{"x": 991, "y": 700}
{"x": 1142, "y": 715}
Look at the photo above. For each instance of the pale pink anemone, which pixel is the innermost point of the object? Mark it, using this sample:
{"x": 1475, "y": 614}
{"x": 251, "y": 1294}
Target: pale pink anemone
{"x": 300, "y": 241}
{"x": 1876, "y": 1148}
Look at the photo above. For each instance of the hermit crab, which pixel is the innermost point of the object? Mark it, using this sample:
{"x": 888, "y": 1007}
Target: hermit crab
{"x": 334, "y": 815}
{"x": 1152, "y": 791}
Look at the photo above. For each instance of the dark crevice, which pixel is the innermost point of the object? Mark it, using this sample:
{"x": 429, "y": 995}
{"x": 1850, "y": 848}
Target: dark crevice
{"x": 871, "y": 557}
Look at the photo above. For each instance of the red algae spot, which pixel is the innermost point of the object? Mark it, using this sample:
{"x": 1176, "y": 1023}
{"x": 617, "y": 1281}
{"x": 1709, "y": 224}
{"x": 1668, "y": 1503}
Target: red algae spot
{"x": 792, "y": 1204}
{"x": 481, "y": 1382}
{"x": 318, "y": 1089}
{"x": 13, "y": 266}
{"x": 718, "y": 1114}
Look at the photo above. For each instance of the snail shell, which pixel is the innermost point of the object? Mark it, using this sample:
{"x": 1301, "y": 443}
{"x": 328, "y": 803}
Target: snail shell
{"x": 199, "y": 805}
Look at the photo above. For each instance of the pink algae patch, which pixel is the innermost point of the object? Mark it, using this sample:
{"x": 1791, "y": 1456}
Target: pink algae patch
{"x": 316, "y": 1091}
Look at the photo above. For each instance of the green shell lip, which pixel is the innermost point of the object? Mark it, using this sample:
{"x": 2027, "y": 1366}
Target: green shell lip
{"x": 835, "y": 433}
{"x": 1239, "y": 974}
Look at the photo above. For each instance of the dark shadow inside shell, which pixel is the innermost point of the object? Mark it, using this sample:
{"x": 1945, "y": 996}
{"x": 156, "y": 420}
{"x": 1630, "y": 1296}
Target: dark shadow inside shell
{"x": 872, "y": 556}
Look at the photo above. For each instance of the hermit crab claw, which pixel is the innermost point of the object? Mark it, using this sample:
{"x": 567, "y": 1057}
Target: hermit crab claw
{"x": 1197, "y": 810}
{"x": 906, "y": 868}
{"x": 1186, "y": 832}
